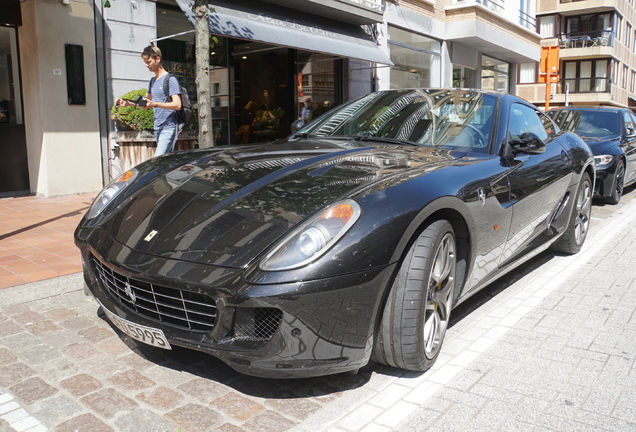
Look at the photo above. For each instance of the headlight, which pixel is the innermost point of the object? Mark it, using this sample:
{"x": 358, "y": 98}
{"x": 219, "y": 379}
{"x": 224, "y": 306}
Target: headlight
{"x": 313, "y": 238}
{"x": 109, "y": 192}
{"x": 602, "y": 160}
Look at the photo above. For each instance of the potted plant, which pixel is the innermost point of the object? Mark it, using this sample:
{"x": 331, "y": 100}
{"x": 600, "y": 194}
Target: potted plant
{"x": 132, "y": 117}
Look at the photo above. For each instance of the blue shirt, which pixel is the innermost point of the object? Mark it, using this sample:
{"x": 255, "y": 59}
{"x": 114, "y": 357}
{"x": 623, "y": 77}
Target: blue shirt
{"x": 164, "y": 117}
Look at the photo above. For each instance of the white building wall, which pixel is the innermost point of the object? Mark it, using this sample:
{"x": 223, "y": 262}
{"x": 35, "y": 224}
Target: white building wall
{"x": 62, "y": 140}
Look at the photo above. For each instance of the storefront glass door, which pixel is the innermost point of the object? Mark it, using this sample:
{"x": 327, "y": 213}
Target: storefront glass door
{"x": 261, "y": 94}
{"x": 14, "y": 168}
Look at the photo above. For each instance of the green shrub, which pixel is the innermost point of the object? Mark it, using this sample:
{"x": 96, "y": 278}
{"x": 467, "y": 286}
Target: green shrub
{"x": 133, "y": 118}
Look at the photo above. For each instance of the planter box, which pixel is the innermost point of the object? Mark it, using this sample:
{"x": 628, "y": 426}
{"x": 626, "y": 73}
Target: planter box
{"x": 136, "y": 147}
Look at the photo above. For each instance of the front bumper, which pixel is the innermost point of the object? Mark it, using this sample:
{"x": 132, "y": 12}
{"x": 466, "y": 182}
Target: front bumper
{"x": 605, "y": 181}
{"x": 290, "y": 330}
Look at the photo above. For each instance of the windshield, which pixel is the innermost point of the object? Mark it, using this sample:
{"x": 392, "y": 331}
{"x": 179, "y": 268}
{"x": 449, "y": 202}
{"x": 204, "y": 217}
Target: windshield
{"x": 588, "y": 123}
{"x": 458, "y": 119}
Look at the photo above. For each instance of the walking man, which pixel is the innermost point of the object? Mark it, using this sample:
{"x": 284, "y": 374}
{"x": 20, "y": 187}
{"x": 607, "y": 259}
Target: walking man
{"x": 165, "y": 106}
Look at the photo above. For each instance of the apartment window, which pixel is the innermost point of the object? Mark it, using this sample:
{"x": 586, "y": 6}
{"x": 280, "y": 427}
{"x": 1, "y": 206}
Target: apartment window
{"x": 614, "y": 71}
{"x": 527, "y": 73}
{"x": 631, "y": 82}
{"x": 628, "y": 34}
{"x": 547, "y": 26}
{"x": 416, "y": 59}
{"x": 619, "y": 26}
{"x": 589, "y": 76}
{"x": 625, "y": 76}
{"x": 592, "y": 25}
{"x": 495, "y": 74}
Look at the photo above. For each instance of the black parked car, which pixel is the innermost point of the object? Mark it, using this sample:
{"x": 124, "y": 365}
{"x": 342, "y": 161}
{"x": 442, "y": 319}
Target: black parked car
{"x": 611, "y": 134}
{"x": 350, "y": 240}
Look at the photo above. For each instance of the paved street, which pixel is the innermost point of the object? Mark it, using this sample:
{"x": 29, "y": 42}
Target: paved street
{"x": 550, "y": 347}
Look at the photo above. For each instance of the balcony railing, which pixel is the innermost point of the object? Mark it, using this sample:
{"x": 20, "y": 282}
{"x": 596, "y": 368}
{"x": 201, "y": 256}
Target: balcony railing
{"x": 586, "y": 39}
{"x": 526, "y": 20}
{"x": 495, "y": 5}
{"x": 586, "y": 85}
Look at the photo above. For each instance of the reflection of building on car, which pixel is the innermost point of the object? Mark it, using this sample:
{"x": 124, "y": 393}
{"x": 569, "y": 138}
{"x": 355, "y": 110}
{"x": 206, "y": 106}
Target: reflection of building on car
{"x": 611, "y": 134}
{"x": 348, "y": 242}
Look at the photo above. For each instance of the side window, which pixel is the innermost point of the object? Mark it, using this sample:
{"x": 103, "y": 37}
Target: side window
{"x": 548, "y": 124}
{"x": 525, "y": 119}
{"x": 629, "y": 121}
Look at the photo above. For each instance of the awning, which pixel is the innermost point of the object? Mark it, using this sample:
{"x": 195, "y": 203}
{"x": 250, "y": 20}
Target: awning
{"x": 277, "y": 25}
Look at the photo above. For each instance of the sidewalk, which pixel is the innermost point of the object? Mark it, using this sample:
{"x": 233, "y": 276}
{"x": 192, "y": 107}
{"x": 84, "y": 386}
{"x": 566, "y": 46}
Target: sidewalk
{"x": 36, "y": 237}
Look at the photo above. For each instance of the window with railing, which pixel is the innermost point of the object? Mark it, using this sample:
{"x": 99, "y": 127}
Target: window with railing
{"x": 527, "y": 20}
{"x": 587, "y": 76}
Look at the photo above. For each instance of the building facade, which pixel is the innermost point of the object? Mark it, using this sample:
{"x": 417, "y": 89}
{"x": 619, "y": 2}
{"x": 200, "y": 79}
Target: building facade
{"x": 597, "y": 53}
{"x": 49, "y": 119}
{"x": 269, "y": 59}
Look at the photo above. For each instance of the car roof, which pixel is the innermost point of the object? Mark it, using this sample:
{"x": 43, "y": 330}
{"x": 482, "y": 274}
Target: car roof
{"x": 452, "y": 90}
{"x": 589, "y": 108}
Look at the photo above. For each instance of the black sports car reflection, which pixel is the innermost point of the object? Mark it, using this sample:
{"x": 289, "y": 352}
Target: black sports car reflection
{"x": 351, "y": 240}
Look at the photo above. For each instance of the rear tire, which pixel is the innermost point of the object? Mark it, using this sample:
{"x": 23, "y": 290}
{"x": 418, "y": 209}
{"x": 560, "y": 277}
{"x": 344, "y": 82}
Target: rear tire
{"x": 417, "y": 311}
{"x": 572, "y": 240}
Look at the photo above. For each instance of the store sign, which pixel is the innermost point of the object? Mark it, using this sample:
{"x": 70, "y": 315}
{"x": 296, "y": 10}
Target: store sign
{"x": 291, "y": 25}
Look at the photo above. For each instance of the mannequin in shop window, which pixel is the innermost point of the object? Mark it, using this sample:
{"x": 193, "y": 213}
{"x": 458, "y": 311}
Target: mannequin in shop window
{"x": 265, "y": 123}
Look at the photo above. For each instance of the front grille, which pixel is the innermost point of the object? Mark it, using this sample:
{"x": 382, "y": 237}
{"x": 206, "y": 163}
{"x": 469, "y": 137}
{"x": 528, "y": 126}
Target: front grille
{"x": 170, "y": 306}
{"x": 257, "y": 324}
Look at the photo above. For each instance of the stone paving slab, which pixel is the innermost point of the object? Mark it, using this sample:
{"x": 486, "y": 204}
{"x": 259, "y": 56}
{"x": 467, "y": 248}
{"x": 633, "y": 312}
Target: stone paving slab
{"x": 550, "y": 347}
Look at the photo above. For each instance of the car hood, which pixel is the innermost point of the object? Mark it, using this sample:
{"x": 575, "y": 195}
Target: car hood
{"x": 225, "y": 207}
{"x": 600, "y": 145}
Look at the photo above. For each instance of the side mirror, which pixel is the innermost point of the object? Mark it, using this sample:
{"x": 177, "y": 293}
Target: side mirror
{"x": 297, "y": 125}
{"x": 631, "y": 132}
{"x": 528, "y": 143}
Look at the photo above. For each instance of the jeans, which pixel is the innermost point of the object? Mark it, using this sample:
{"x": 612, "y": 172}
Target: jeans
{"x": 166, "y": 138}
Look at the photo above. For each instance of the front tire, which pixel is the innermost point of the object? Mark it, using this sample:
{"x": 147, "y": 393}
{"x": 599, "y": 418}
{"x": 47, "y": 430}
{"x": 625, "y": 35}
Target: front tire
{"x": 619, "y": 184}
{"x": 574, "y": 236}
{"x": 418, "y": 308}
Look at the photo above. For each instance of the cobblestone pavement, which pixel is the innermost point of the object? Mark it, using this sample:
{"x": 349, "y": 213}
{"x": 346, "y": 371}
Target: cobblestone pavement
{"x": 550, "y": 347}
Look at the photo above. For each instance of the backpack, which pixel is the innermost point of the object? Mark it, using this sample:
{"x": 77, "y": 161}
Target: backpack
{"x": 184, "y": 115}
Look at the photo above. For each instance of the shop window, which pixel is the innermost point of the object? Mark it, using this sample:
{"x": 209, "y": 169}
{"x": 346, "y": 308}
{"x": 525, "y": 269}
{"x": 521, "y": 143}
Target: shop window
{"x": 261, "y": 108}
{"x": 317, "y": 84}
{"x": 463, "y": 77}
{"x": 416, "y": 60}
{"x": 495, "y": 74}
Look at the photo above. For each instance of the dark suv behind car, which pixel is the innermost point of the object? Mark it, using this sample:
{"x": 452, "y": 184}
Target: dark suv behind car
{"x": 611, "y": 134}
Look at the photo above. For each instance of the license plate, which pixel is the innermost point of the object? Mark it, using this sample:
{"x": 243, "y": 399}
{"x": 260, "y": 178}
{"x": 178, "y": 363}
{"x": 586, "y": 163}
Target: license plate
{"x": 147, "y": 335}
